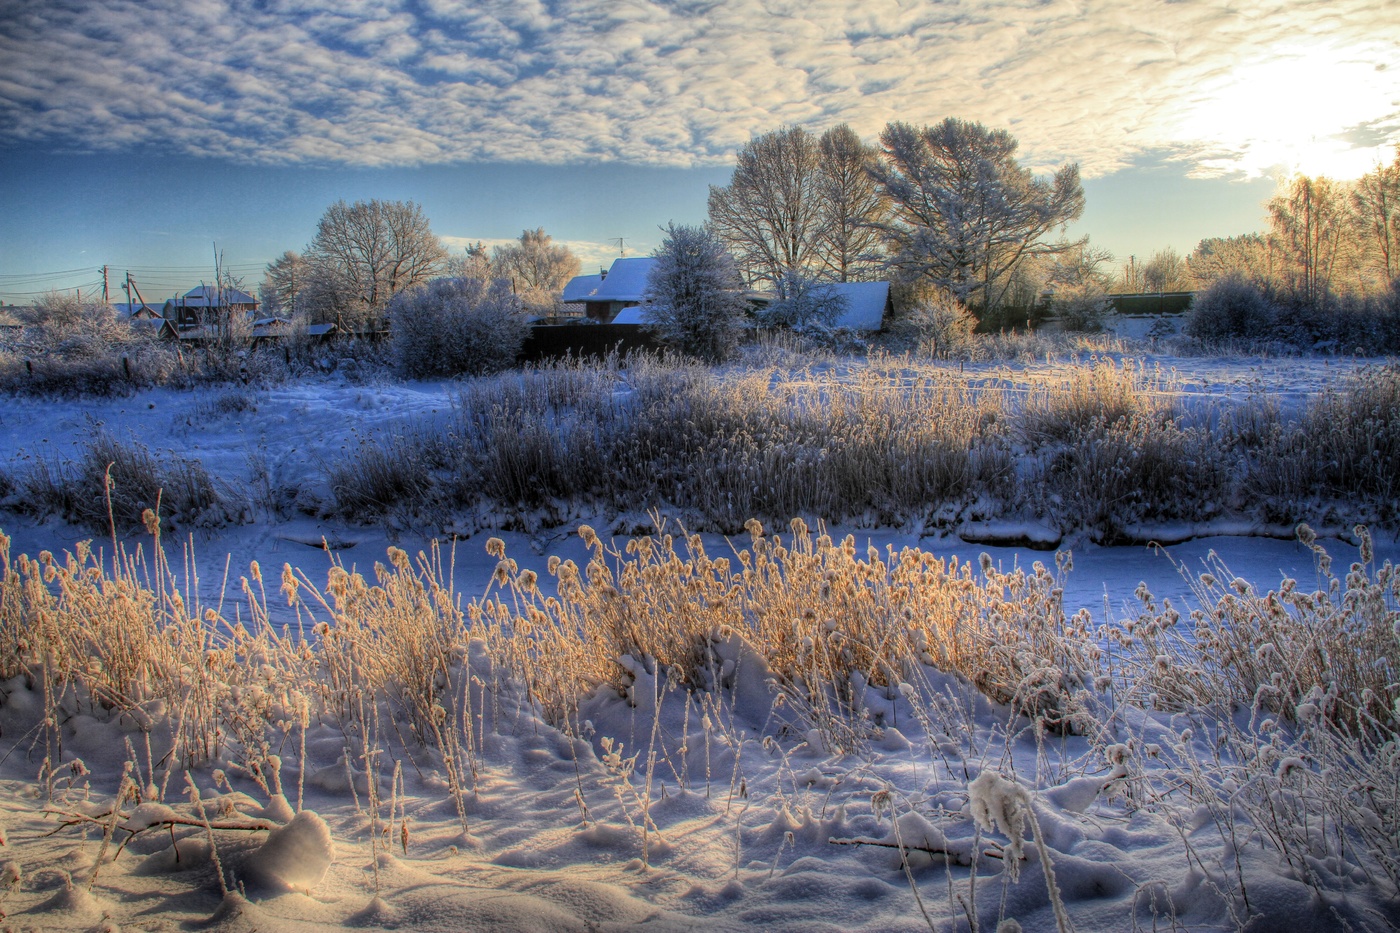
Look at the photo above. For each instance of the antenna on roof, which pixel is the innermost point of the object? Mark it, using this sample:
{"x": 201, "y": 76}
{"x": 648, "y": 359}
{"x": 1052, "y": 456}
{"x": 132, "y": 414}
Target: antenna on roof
{"x": 621, "y": 246}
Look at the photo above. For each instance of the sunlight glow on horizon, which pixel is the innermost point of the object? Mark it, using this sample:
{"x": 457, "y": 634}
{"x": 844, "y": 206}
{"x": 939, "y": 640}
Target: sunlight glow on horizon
{"x": 1291, "y": 111}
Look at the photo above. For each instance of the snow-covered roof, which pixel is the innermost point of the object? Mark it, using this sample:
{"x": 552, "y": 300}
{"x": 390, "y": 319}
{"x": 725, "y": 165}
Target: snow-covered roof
{"x": 581, "y": 286}
{"x": 208, "y": 295}
{"x": 632, "y": 315}
{"x": 625, "y": 281}
{"x": 865, "y": 304}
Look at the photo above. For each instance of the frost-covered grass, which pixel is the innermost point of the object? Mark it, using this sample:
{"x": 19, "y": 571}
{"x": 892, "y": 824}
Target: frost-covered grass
{"x": 1101, "y": 445}
{"x": 796, "y": 700}
{"x": 113, "y": 483}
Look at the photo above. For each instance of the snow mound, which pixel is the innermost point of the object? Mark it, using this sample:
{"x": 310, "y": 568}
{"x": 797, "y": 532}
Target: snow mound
{"x": 295, "y": 857}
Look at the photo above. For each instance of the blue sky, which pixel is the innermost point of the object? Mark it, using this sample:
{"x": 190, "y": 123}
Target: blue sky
{"x": 137, "y": 133}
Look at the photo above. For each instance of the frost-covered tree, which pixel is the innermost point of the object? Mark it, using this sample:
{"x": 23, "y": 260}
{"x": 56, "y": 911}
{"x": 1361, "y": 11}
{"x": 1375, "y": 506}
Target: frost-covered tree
{"x": 1308, "y": 223}
{"x": 965, "y": 213}
{"x": 364, "y": 254}
{"x": 1376, "y": 201}
{"x": 451, "y": 326}
{"x": 1245, "y": 256}
{"x": 694, "y": 299}
{"x": 537, "y": 268}
{"x": 472, "y": 263}
{"x": 284, "y": 284}
{"x": 799, "y": 204}
{"x": 1165, "y": 271}
{"x": 1078, "y": 264}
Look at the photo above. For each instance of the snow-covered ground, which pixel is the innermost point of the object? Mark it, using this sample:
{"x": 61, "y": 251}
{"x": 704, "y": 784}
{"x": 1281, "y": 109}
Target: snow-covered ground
{"x": 720, "y": 822}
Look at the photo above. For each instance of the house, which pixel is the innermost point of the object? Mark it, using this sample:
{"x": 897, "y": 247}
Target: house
{"x": 607, "y": 293}
{"x": 194, "y": 307}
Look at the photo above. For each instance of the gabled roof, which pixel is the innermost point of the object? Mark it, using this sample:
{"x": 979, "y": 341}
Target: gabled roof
{"x": 207, "y": 296}
{"x": 865, "y": 304}
{"x": 625, "y": 281}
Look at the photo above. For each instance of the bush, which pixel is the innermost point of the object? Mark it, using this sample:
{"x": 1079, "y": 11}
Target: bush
{"x": 805, "y": 304}
{"x": 448, "y": 327}
{"x": 940, "y": 327}
{"x": 1232, "y": 308}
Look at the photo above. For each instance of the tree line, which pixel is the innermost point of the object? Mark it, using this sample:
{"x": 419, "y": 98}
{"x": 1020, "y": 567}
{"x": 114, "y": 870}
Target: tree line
{"x": 945, "y": 212}
{"x": 365, "y": 254}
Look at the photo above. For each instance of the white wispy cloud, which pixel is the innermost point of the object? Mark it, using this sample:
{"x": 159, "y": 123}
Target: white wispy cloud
{"x": 1227, "y": 85}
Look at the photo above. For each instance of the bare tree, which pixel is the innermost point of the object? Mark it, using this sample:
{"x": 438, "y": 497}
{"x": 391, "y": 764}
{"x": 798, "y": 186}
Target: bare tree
{"x": 366, "y": 253}
{"x": 769, "y": 215}
{"x": 1376, "y": 201}
{"x": 965, "y": 213}
{"x": 694, "y": 295}
{"x": 1079, "y": 263}
{"x": 537, "y": 269}
{"x": 1308, "y": 222}
{"x": 848, "y": 240}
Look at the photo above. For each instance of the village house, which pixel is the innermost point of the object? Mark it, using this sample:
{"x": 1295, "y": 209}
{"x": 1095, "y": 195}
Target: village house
{"x": 193, "y": 308}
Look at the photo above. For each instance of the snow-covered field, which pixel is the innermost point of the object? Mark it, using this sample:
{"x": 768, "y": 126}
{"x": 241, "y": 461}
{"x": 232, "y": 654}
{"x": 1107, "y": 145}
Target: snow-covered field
{"x": 661, "y": 805}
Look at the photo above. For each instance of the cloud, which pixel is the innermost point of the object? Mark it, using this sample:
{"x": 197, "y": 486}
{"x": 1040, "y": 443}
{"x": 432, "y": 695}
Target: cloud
{"x": 393, "y": 82}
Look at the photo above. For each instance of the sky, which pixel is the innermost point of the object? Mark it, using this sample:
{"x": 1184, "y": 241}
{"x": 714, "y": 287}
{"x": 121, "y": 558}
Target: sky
{"x": 145, "y": 135}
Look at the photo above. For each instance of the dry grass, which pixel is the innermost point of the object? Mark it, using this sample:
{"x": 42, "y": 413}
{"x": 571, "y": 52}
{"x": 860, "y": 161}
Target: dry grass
{"x": 828, "y": 620}
{"x": 1293, "y": 690}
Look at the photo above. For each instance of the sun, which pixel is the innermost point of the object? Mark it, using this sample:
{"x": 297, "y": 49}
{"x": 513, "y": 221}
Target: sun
{"x": 1316, "y": 110}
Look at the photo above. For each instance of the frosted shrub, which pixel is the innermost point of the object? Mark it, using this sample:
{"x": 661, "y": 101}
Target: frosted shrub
{"x": 1232, "y": 308}
{"x": 447, "y": 327}
{"x": 1081, "y": 308}
{"x": 940, "y": 328}
{"x": 804, "y": 304}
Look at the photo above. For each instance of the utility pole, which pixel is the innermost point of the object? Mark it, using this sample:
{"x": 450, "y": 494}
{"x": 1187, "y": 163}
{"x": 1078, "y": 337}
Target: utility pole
{"x": 106, "y": 298}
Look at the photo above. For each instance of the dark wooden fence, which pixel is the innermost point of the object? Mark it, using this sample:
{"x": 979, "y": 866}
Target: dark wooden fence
{"x": 549, "y": 341}
{"x": 1160, "y": 303}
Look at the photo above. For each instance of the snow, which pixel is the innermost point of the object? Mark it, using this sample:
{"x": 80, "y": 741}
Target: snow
{"x": 750, "y": 820}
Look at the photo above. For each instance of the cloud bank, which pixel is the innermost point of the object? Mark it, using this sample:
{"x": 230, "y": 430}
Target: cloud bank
{"x": 685, "y": 82}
